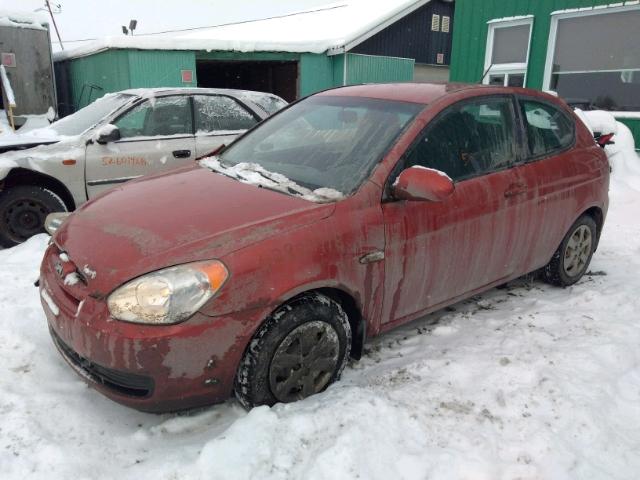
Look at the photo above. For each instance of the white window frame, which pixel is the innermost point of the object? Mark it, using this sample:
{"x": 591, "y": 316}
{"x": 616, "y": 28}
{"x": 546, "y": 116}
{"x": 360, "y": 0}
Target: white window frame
{"x": 553, "y": 32}
{"x": 506, "y": 69}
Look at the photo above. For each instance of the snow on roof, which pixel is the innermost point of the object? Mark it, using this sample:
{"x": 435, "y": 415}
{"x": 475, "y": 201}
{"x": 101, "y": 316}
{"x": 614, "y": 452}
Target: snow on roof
{"x": 332, "y": 28}
{"x": 9, "y": 18}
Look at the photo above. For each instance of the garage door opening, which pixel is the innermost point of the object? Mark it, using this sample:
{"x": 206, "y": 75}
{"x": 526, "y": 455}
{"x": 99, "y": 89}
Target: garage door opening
{"x": 280, "y": 78}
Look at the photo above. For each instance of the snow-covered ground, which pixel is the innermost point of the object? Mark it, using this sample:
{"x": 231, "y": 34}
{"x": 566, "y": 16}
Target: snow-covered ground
{"x": 527, "y": 382}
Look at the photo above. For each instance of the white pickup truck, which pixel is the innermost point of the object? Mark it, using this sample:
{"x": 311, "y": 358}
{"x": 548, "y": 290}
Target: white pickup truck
{"x": 119, "y": 137}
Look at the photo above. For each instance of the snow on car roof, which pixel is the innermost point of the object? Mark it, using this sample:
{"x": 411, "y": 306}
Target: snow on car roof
{"x": 332, "y": 28}
{"x": 146, "y": 92}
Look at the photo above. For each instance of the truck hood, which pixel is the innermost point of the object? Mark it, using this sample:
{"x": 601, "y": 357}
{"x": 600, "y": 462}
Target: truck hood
{"x": 186, "y": 215}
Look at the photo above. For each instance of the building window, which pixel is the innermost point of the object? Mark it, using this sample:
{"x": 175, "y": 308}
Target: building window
{"x": 446, "y": 21}
{"x": 594, "y": 59}
{"x": 435, "y": 23}
{"x": 507, "y": 52}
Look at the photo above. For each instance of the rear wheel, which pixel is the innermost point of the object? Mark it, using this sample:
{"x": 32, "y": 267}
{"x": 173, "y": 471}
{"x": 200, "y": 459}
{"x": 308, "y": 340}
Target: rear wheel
{"x": 571, "y": 260}
{"x": 299, "y": 351}
{"x": 23, "y": 209}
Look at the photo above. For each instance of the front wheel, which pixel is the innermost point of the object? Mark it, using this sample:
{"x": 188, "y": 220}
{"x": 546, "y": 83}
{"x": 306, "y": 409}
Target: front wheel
{"x": 23, "y": 209}
{"x": 299, "y": 351}
{"x": 570, "y": 261}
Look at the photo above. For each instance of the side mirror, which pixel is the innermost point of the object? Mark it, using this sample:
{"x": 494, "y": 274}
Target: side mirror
{"x": 425, "y": 184}
{"x": 107, "y": 133}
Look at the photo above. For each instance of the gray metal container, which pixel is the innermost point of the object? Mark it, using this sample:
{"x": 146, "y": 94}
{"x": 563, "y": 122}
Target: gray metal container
{"x": 25, "y": 50}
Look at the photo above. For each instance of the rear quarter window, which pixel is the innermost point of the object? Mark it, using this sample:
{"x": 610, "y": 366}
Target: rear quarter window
{"x": 548, "y": 128}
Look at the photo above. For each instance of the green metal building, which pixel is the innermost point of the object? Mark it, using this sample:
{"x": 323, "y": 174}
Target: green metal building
{"x": 292, "y": 55}
{"x": 586, "y": 50}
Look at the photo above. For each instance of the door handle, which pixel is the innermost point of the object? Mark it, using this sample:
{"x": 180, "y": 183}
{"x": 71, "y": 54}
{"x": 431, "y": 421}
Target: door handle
{"x": 182, "y": 153}
{"x": 515, "y": 189}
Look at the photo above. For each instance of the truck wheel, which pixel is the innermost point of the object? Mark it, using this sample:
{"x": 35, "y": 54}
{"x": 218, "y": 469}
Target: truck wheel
{"x": 23, "y": 209}
{"x": 572, "y": 258}
{"x": 299, "y": 351}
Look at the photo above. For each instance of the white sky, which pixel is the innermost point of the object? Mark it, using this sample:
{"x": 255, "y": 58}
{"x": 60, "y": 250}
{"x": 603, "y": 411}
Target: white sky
{"x": 81, "y": 19}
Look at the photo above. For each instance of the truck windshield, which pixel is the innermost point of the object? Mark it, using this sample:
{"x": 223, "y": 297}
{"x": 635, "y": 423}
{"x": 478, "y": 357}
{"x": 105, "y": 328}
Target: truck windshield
{"x": 90, "y": 115}
{"x": 324, "y": 142}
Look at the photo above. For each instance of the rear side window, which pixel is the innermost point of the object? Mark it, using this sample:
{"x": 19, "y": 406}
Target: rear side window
{"x": 219, "y": 113}
{"x": 468, "y": 139}
{"x": 548, "y": 128}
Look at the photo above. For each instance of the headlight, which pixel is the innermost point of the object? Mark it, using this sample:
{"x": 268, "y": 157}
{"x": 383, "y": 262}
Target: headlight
{"x": 167, "y": 296}
{"x": 54, "y": 220}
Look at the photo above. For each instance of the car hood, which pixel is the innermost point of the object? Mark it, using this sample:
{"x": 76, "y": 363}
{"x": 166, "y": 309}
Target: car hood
{"x": 37, "y": 136}
{"x": 186, "y": 215}
{"x": 42, "y": 157}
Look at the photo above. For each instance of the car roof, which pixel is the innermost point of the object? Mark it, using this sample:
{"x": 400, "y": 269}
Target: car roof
{"x": 424, "y": 93}
{"x": 147, "y": 92}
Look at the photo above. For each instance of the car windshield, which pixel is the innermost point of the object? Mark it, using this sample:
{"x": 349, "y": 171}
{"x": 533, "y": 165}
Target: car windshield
{"x": 90, "y": 115}
{"x": 269, "y": 103}
{"x": 323, "y": 143}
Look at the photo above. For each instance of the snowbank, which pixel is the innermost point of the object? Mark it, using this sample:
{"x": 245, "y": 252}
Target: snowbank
{"x": 623, "y": 158}
{"x": 625, "y": 163}
{"x": 316, "y": 31}
{"x": 598, "y": 121}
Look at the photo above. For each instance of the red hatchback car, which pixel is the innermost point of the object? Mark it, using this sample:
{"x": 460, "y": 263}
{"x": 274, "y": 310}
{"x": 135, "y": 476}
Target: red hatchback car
{"x": 260, "y": 270}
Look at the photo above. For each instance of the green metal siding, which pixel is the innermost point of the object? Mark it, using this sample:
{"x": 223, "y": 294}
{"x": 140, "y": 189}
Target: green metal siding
{"x": 108, "y": 70}
{"x": 634, "y": 126}
{"x": 315, "y": 73}
{"x": 374, "y": 69}
{"x": 471, "y": 29}
{"x": 115, "y": 70}
{"x": 160, "y": 68}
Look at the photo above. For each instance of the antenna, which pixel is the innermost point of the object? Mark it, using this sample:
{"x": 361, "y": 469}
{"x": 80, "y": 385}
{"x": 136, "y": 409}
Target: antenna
{"x": 54, "y": 22}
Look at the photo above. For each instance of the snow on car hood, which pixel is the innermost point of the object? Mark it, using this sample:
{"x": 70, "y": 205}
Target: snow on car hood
{"x": 32, "y": 137}
{"x": 182, "y": 216}
{"x": 39, "y": 157}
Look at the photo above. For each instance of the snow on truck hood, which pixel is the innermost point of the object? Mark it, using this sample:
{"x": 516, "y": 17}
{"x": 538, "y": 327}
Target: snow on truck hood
{"x": 181, "y": 216}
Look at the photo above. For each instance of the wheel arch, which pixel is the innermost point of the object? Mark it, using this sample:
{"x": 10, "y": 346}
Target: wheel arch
{"x": 23, "y": 176}
{"x": 597, "y": 215}
{"x": 347, "y": 300}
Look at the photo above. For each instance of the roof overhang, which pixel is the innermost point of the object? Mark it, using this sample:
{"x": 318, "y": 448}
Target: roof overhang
{"x": 378, "y": 28}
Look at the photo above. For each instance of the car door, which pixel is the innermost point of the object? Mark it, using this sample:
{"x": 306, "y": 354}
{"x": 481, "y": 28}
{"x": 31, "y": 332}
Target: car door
{"x": 155, "y": 135}
{"x": 548, "y": 178}
{"x": 436, "y": 252}
{"x": 219, "y": 120}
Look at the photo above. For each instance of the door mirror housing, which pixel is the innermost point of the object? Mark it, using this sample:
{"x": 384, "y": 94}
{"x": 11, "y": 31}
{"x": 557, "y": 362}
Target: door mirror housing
{"x": 107, "y": 133}
{"x": 422, "y": 184}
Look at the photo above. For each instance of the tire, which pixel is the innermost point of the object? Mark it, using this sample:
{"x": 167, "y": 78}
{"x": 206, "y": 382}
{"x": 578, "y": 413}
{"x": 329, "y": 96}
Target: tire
{"x": 23, "y": 209}
{"x": 571, "y": 260}
{"x": 299, "y": 351}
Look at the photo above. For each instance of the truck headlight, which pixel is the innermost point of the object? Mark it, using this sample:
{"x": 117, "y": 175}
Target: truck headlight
{"x": 167, "y": 296}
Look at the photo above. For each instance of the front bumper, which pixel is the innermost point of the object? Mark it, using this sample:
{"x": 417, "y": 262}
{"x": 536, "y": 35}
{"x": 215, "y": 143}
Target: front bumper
{"x": 149, "y": 368}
